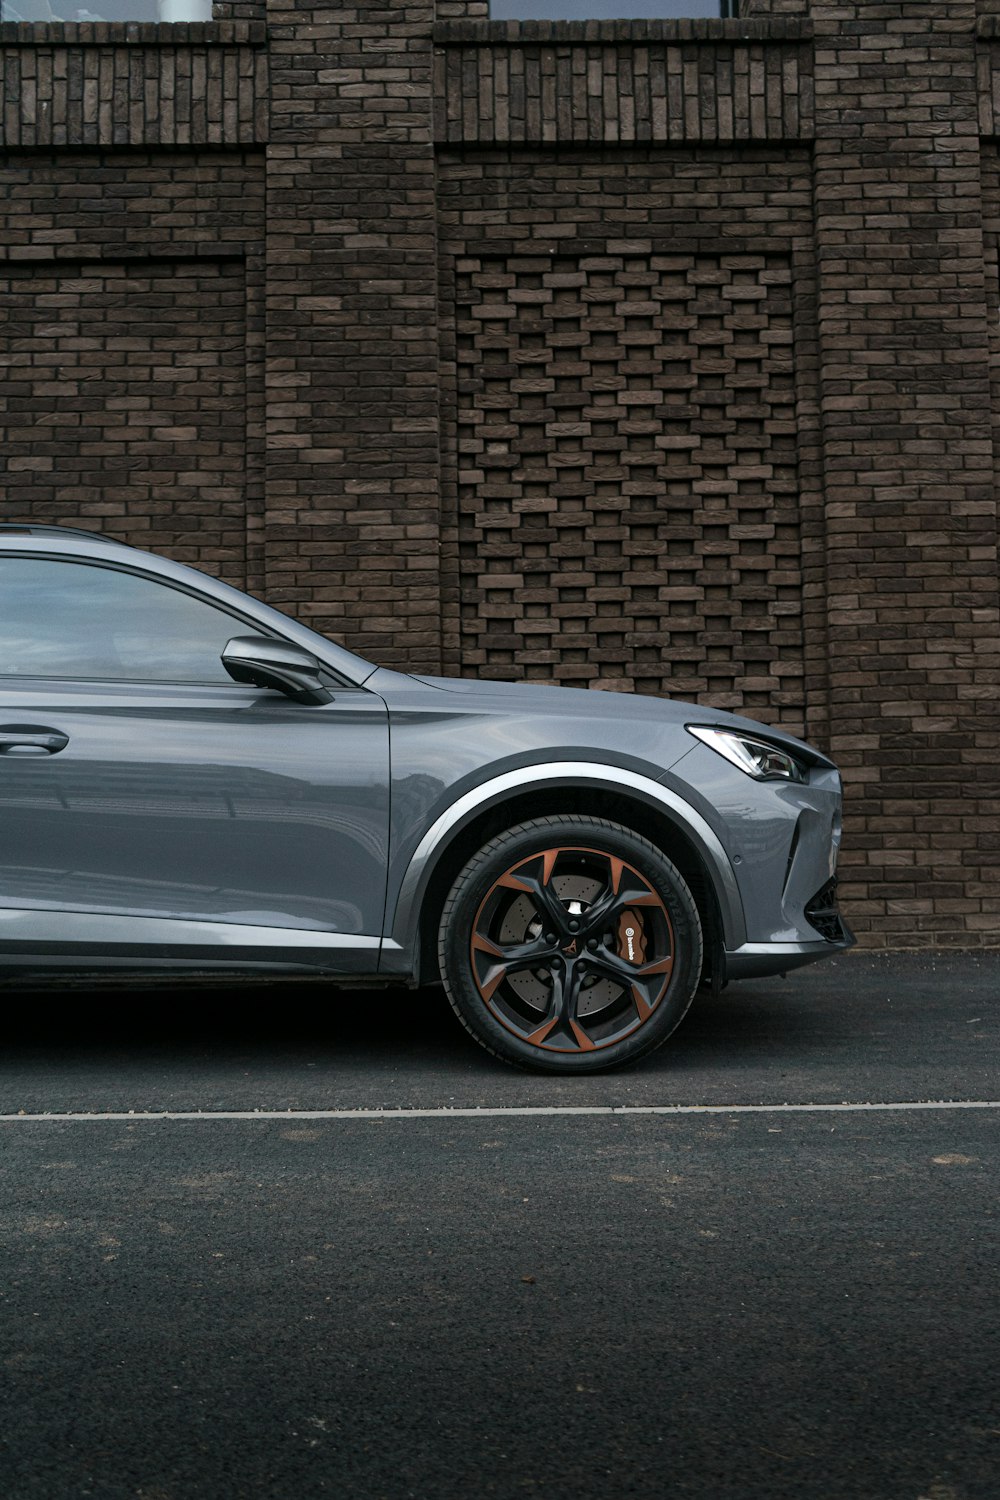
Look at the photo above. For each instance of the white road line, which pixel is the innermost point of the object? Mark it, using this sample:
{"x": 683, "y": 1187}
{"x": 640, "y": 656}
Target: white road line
{"x": 488, "y": 1111}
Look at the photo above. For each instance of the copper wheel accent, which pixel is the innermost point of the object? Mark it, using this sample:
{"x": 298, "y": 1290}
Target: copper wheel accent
{"x": 572, "y": 949}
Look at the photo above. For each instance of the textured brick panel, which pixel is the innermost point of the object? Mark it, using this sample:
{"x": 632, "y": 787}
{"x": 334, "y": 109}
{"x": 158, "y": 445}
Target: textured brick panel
{"x": 622, "y": 81}
{"x": 627, "y": 475}
{"x": 123, "y": 403}
{"x": 686, "y": 501}
{"x": 113, "y": 84}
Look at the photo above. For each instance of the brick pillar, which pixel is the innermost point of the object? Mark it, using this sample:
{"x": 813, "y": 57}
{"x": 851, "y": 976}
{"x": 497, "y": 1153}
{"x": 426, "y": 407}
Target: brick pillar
{"x": 351, "y": 381}
{"x": 911, "y": 511}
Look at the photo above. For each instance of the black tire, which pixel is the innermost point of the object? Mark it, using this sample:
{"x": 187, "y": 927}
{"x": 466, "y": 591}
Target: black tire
{"x": 570, "y": 945}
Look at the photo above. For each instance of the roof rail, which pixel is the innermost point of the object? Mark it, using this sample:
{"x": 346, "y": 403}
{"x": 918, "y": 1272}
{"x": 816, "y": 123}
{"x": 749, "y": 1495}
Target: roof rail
{"x": 40, "y": 528}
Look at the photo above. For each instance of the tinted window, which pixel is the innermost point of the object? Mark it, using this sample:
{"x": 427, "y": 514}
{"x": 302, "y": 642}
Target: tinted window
{"x": 68, "y": 619}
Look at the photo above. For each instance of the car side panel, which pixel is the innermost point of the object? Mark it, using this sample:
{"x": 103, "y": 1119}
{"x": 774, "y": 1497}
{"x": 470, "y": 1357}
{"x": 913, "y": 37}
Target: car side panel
{"x": 198, "y": 804}
{"x": 51, "y": 941}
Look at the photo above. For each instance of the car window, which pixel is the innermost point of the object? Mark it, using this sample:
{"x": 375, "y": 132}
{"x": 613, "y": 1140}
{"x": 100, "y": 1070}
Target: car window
{"x": 72, "y": 619}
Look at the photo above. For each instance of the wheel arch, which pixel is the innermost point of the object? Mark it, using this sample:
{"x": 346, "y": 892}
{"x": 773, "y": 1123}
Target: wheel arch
{"x": 637, "y": 802}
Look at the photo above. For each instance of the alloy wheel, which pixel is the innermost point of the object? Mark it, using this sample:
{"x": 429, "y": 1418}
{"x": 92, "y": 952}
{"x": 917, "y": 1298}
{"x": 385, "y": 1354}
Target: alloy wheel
{"x": 572, "y": 949}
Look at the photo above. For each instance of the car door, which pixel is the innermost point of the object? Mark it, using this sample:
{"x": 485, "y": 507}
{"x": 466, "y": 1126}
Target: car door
{"x": 148, "y": 803}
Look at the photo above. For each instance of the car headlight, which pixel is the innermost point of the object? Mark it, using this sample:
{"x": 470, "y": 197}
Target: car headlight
{"x": 758, "y": 758}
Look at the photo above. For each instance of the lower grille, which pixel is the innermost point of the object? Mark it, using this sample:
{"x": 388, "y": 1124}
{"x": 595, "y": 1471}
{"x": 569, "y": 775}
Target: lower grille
{"x": 821, "y": 913}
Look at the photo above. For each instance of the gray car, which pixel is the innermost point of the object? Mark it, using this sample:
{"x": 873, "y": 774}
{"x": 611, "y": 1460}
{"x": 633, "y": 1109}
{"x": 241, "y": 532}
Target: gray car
{"x": 191, "y": 781}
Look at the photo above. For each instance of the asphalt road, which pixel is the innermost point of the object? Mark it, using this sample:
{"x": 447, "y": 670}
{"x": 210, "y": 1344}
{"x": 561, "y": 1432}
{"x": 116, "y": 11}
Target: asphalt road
{"x": 744, "y": 1303}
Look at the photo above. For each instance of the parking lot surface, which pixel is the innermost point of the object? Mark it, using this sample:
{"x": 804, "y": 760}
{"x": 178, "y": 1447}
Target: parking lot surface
{"x": 368, "y": 1261}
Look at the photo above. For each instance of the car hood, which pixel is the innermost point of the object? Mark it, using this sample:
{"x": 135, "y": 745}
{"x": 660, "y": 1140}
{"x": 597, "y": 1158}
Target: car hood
{"x": 580, "y": 703}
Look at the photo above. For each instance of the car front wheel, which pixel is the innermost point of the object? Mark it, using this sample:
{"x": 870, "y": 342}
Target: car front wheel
{"x": 570, "y": 944}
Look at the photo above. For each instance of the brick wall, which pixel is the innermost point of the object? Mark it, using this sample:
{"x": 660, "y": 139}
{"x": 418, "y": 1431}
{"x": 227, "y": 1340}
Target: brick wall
{"x": 352, "y": 372}
{"x": 124, "y": 402}
{"x": 624, "y": 353}
{"x": 911, "y": 544}
{"x": 623, "y": 81}
{"x": 627, "y": 507}
{"x": 131, "y": 388}
{"x": 621, "y": 479}
{"x": 895, "y": 637}
{"x": 109, "y": 83}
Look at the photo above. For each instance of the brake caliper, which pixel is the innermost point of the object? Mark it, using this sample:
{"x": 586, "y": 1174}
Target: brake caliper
{"x": 631, "y": 938}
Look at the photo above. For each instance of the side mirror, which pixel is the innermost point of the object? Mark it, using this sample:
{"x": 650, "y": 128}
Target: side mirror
{"x": 264, "y": 662}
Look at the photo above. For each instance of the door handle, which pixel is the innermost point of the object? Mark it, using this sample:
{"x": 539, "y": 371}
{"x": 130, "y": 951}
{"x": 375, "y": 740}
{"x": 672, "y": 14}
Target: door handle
{"x": 31, "y": 739}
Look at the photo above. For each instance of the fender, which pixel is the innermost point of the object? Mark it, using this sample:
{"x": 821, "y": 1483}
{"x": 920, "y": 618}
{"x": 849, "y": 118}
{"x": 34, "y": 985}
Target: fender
{"x": 399, "y": 950}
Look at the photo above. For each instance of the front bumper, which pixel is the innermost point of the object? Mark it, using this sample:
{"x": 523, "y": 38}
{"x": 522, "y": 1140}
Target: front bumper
{"x": 782, "y": 840}
{"x": 760, "y": 960}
